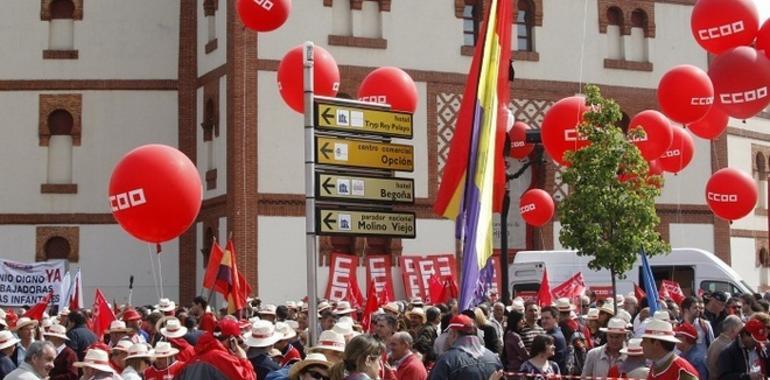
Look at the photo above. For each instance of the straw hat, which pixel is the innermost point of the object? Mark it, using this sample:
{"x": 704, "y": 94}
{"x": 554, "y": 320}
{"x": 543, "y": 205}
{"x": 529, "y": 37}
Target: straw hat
{"x": 291, "y": 305}
{"x": 634, "y": 348}
{"x": 58, "y": 331}
{"x": 517, "y": 306}
{"x": 263, "y": 334}
{"x": 166, "y": 305}
{"x": 662, "y": 315}
{"x": 267, "y": 310}
{"x": 416, "y": 302}
{"x": 620, "y": 300}
{"x": 418, "y": 311}
{"x": 96, "y": 359}
{"x": 313, "y": 358}
{"x": 607, "y": 307}
{"x": 7, "y": 339}
{"x": 284, "y": 329}
{"x": 343, "y": 308}
{"x": 164, "y": 350}
{"x": 593, "y": 314}
{"x": 118, "y": 326}
{"x": 323, "y": 305}
{"x": 139, "y": 350}
{"x": 25, "y": 321}
{"x": 624, "y": 315}
{"x": 660, "y": 330}
{"x": 123, "y": 345}
{"x": 343, "y": 328}
{"x": 564, "y": 305}
{"x": 173, "y": 329}
{"x": 392, "y": 307}
{"x": 615, "y": 326}
{"x": 329, "y": 340}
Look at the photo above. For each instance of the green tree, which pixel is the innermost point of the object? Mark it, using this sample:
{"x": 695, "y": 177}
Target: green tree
{"x": 609, "y": 212}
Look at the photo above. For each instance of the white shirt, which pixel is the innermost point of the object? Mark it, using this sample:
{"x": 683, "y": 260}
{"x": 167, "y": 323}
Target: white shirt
{"x": 130, "y": 374}
{"x": 598, "y": 362}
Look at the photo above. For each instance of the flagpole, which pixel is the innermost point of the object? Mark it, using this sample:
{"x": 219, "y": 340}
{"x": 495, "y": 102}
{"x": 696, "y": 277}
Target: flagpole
{"x": 310, "y": 231}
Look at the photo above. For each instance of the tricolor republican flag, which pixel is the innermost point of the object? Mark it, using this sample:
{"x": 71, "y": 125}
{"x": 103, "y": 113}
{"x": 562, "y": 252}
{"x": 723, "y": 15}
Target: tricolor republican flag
{"x": 474, "y": 176}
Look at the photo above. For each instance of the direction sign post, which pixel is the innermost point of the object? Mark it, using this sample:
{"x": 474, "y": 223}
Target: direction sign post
{"x": 330, "y": 221}
{"x": 365, "y": 154}
{"x": 337, "y": 115}
{"x": 361, "y": 188}
{"x": 310, "y": 229}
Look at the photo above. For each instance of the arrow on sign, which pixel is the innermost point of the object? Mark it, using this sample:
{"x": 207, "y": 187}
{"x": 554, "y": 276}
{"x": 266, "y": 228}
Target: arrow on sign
{"x": 325, "y": 150}
{"x": 326, "y": 185}
{"x": 328, "y": 117}
{"x": 328, "y": 219}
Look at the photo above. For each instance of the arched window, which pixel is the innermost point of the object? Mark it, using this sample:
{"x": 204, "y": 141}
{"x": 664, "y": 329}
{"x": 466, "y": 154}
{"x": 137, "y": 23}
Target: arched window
{"x": 615, "y": 33}
{"x": 210, "y": 10}
{"x": 57, "y": 248}
{"x": 472, "y": 18}
{"x": 759, "y": 161}
{"x": 763, "y": 257}
{"x": 761, "y": 178}
{"x": 60, "y": 142}
{"x": 61, "y": 34}
{"x": 208, "y": 241}
{"x": 209, "y": 123}
{"x": 60, "y": 123}
{"x": 62, "y": 9}
{"x": 638, "y": 36}
{"x": 524, "y": 26}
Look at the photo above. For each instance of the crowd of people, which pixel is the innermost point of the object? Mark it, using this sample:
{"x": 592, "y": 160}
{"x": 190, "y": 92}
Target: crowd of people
{"x": 714, "y": 337}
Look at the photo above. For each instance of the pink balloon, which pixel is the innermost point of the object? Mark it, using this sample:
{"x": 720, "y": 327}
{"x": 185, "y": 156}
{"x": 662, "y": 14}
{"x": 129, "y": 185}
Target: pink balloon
{"x": 680, "y": 153}
{"x": 685, "y": 93}
{"x": 731, "y": 194}
{"x": 710, "y": 126}
{"x": 390, "y": 85}
{"x": 657, "y": 130}
{"x": 741, "y": 77}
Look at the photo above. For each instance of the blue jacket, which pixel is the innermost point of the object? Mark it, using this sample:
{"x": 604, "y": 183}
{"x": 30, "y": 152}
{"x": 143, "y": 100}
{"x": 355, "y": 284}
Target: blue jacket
{"x": 6, "y": 365}
{"x": 458, "y": 363}
{"x": 80, "y": 339}
{"x": 561, "y": 348}
{"x": 697, "y": 357}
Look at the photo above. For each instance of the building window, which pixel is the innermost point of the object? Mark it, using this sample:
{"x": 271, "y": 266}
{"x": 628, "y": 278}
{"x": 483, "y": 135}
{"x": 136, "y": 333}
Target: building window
{"x": 57, "y": 248}
{"x": 210, "y": 127}
{"x": 358, "y": 23}
{"x": 637, "y": 47}
{"x": 472, "y": 18}
{"x": 57, "y": 243}
{"x": 61, "y": 31}
{"x": 60, "y": 132}
{"x": 524, "y": 26}
{"x": 614, "y": 33}
{"x": 760, "y": 175}
{"x": 209, "y": 10}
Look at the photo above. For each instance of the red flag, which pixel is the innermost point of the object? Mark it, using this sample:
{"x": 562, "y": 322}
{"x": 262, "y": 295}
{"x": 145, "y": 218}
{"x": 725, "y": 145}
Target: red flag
{"x": 573, "y": 287}
{"x": 212, "y": 268}
{"x": 239, "y": 289}
{"x": 372, "y": 303}
{"x": 76, "y": 295}
{"x": 385, "y": 295}
{"x": 435, "y": 289}
{"x": 11, "y": 318}
{"x": 36, "y": 312}
{"x": 639, "y": 293}
{"x": 102, "y": 315}
{"x": 544, "y": 296}
{"x": 450, "y": 290}
{"x": 663, "y": 293}
{"x": 674, "y": 290}
{"x": 354, "y": 295}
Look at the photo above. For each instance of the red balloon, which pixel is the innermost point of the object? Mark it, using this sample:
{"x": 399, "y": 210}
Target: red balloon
{"x": 741, "y": 76}
{"x": 155, "y": 193}
{"x": 559, "y": 130}
{"x": 519, "y": 147}
{"x": 731, "y": 194}
{"x": 536, "y": 207}
{"x": 680, "y": 153}
{"x": 710, "y": 126}
{"x": 263, "y": 15}
{"x": 326, "y": 76}
{"x": 685, "y": 93}
{"x": 763, "y": 39}
{"x": 658, "y": 133}
{"x": 654, "y": 168}
{"x": 390, "y": 85}
{"x": 719, "y": 25}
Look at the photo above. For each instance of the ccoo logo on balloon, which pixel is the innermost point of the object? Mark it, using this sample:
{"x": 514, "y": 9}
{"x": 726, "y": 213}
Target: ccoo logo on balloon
{"x": 743, "y": 97}
{"x": 721, "y": 31}
{"x": 127, "y": 200}
{"x": 266, "y": 4}
{"x": 723, "y": 198}
{"x": 527, "y": 208}
{"x": 702, "y": 101}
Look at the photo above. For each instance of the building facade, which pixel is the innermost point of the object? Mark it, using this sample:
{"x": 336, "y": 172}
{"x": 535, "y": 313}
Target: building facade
{"x": 87, "y": 81}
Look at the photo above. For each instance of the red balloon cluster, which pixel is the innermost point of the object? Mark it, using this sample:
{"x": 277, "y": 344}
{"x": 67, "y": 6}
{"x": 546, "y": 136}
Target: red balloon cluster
{"x": 155, "y": 193}
{"x": 657, "y": 133}
{"x": 389, "y": 85}
{"x": 731, "y": 194}
{"x": 679, "y": 154}
{"x": 263, "y": 15}
{"x": 326, "y": 76}
{"x": 559, "y": 130}
{"x": 519, "y": 146}
{"x": 741, "y": 77}
{"x": 536, "y": 207}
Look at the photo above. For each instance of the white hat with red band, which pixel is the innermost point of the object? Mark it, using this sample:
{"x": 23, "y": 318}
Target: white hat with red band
{"x": 7, "y": 339}
{"x": 660, "y": 330}
{"x": 634, "y": 347}
{"x": 330, "y": 340}
{"x": 173, "y": 329}
{"x": 96, "y": 359}
{"x": 263, "y": 334}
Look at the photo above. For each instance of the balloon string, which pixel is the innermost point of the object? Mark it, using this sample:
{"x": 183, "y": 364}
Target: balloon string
{"x": 582, "y": 47}
{"x": 160, "y": 275}
{"x": 152, "y": 265}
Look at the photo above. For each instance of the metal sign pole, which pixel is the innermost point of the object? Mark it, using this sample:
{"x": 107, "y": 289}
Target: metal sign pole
{"x": 312, "y": 265}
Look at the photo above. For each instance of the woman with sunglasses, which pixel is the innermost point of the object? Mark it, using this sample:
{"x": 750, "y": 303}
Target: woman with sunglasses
{"x": 361, "y": 360}
{"x": 314, "y": 367}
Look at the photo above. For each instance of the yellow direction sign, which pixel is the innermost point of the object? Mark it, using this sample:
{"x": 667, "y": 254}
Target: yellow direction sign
{"x": 360, "y": 222}
{"x": 364, "y": 188}
{"x": 354, "y": 119}
{"x": 363, "y": 154}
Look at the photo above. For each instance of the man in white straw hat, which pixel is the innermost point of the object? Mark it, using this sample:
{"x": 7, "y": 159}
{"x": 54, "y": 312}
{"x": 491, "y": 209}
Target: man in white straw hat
{"x": 289, "y": 354}
{"x": 164, "y": 367}
{"x": 25, "y": 330}
{"x": 117, "y": 331}
{"x": 658, "y": 344}
{"x": 118, "y": 354}
{"x": 267, "y": 312}
{"x": 331, "y": 344}
{"x": 138, "y": 359}
{"x": 37, "y": 363}
{"x": 262, "y": 338}
{"x": 600, "y": 359}
{"x": 166, "y": 306}
{"x": 634, "y": 366}
{"x": 96, "y": 366}
{"x": 7, "y": 345}
{"x": 66, "y": 357}
{"x": 343, "y": 309}
{"x": 174, "y": 332}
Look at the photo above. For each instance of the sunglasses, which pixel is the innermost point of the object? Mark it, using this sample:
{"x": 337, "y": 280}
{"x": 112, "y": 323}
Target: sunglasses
{"x": 317, "y": 375}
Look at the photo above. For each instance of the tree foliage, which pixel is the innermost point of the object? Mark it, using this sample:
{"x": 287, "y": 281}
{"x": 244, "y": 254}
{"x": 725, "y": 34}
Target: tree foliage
{"x": 609, "y": 212}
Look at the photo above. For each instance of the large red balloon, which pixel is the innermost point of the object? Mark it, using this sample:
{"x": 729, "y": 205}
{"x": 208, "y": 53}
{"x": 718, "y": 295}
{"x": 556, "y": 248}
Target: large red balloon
{"x": 741, "y": 76}
{"x": 519, "y": 147}
{"x": 536, "y": 207}
{"x": 685, "y": 93}
{"x": 719, "y": 25}
{"x": 263, "y": 15}
{"x": 763, "y": 39}
{"x": 657, "y": 133}
{"x": 710, "y": 126}
{"x": 326, "y": 76}
{"x": 559, "y": 130}
{"x": 731, "y": 194}
{"x": 390, "y": 85}
{"x": 155, "y": 193}
{"x": 680, "y": 153}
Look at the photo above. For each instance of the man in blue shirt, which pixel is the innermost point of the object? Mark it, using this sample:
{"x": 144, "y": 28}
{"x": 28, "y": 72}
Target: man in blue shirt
{"x": 690, "y": 350}
{"x": 549, "y": 319}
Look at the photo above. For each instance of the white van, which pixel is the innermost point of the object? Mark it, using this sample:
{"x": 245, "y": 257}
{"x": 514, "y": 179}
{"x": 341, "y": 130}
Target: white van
{"x": 692, "y": 268}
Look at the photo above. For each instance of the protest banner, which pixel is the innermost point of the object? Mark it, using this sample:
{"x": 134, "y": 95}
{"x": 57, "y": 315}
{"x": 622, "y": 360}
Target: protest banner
{"x": 379, "y": 272}
{"x": 23, "y": 284}
{"x": 342, "y": 270}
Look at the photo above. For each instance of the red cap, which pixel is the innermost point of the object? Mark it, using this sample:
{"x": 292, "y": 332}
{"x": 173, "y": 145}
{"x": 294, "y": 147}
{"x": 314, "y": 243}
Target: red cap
{"x": 686, "y": 330}
{"x": 228, "y": 327}
{"x": 462, "y": 323}
{"x": 757, "y": 330}
{"x": 131, "y": 315}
